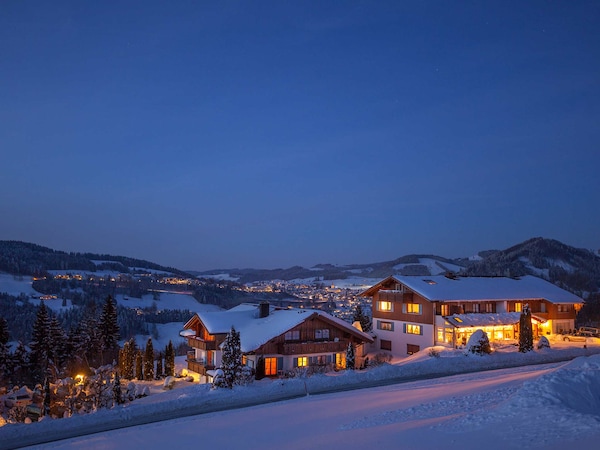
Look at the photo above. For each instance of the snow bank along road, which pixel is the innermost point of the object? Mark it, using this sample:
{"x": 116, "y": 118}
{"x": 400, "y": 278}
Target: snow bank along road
{"x": 451, "y": 412}
{"x": 199, "y": 399}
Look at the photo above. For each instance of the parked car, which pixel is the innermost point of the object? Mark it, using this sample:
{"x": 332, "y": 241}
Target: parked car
{"x": 589, "y": 332}
{"x": 573, "y": 337}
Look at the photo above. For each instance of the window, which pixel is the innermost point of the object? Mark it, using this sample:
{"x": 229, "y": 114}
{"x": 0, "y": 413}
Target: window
{"x": 340, "y": 360}
{"x": 385, "y": 345}
{"x": 414, "y": 329}
{"x": 542, "y": 307}
{"x": 431, "y": 282}
{"x": 320, "y": 360}
{"x": 385, "y": 326}
{"x": 475, "y": 307}
{"x": 518, "y": 307}
{"x": 563, "y": 308}
{"x": 302, "y": 361}
{"x": 489, "y": 307}
{"x": 292, "y": 335}
{"x": 411, "y": 349}
{"x": 445, "y": 310}
{"x": 412, "y": 308}
{"x": 384, "y": 306}
{"x": 270, "y": 366}
{"x": 322, "y": 334}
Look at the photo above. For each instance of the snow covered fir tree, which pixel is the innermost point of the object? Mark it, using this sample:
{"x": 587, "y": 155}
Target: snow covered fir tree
{"x": 231, "y": 363}
{"x": 350, "y": 357}
{"x": 525, "y": 330}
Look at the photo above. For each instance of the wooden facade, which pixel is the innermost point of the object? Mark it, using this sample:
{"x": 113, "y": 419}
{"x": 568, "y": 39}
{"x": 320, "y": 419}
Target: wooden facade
{"x": 404, "y": 319}
{"x": 318, "y": 338}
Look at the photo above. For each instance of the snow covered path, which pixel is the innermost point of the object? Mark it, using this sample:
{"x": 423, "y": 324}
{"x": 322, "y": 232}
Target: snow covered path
{"x": 458, "y": 411}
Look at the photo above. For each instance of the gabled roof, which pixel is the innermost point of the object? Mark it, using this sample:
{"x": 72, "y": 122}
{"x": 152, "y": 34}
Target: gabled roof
{"x": 442, "y": 288}
{"x": 256, "y": 331}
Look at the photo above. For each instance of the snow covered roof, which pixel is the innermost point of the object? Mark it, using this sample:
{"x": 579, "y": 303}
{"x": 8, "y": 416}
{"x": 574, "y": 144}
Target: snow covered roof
{"x": 487, "y": 320}
{"x": 256, "y": 331}
{"x": 442, "y": 288}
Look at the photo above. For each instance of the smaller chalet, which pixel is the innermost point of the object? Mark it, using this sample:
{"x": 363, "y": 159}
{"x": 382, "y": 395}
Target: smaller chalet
{"x": 415, "y": 312}
{"x": 282, "y": 338}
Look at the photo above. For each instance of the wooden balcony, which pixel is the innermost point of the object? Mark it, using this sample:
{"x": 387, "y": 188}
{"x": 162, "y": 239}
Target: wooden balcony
{"x": 196, "y": 342}
{"x": 198, "y": 366}
{"x": 305, "y": 348}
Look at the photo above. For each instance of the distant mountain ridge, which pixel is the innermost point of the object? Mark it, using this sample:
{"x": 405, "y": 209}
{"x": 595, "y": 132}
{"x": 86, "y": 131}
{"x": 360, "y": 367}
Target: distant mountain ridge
{"x": 24, "y": 258}
{"x": 405, "y": 265}
{"x": 574, "y": 269}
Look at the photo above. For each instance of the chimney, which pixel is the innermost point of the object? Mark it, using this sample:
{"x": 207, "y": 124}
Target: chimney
{"x": 263, "y": 310}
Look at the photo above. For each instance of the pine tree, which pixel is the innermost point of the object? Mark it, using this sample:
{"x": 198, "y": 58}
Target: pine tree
{"x": 159, "y": 366}
{"x": 169, "y": 360}
{"x": 109, "y": 331}
{"x": 20, "y": 365}
{"x": 117, "y": 393}
{"x": 139, "y": 372}
{"x": 231, "y": 362}
{"x": 362, "y": 318}
{"x": 47, "y": 398}
{"x": 5, "y": 366}
{"x": 40, "y": 345}
{"x": 149, "y": 361}
{"x": 525, "y": 330}
{"x": 58, "y": 348}
{"x": 350, "y": 358}
{"x": 127, "y": 359}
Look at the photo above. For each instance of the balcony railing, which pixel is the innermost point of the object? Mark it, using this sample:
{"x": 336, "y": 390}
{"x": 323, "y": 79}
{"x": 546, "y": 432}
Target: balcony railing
{"x": 303, "y": 348}
{"x": 196, "y": 342}
{"x": 199, "y": 366}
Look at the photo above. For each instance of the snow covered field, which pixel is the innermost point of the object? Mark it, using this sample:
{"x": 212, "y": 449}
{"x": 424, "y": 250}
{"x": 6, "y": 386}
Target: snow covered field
{"x": 553, "y": 405}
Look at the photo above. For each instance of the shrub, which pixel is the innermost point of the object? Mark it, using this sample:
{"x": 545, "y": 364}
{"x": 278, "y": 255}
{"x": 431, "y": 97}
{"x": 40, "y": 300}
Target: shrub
{"x": 478, "y": 344}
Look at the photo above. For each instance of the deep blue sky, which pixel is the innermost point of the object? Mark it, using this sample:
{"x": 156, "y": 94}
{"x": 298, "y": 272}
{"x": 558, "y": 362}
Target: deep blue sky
{"x": 266, "y": 134}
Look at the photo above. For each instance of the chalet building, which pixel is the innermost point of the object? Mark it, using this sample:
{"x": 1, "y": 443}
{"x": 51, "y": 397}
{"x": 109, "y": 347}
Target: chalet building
{"x": 414, "y": 312}
{"x": 283, "y": 338}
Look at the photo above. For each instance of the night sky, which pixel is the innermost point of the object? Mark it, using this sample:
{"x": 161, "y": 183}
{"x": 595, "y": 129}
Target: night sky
{"x": 265, "y": 134}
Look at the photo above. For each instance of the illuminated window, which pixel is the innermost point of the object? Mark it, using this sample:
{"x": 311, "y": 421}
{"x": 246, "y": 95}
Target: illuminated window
{"x": 412, "y": 308}
{"x": 385, "y": 306}
{"x": 292, "y": 335}
{"x": 431, "y": 282}
{"x": 385, "y": 345}
{"x": 340, "y": 360}
{"x": 445, "y": 310}
{"x": 385, "y": 326}
{"x": 302, "y": 361}
{"x": 322, "y": 334}
{"x": 440, "y": 334}
{"x": 518, "y": 307}
{"x": 270, "y": 366}
{"x": 414, "y": 329}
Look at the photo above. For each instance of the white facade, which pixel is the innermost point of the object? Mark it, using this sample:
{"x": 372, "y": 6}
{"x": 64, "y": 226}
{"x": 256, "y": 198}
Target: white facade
{"x": 404, "y": 338}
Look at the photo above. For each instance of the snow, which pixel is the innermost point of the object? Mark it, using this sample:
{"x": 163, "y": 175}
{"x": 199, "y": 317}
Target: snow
{"x": 220, "y": 276}
{"x": 434, "y": 266}
{"x": 17, "y": 285}
{"x": 166, "y": 300}
{"x": 487, "y": 288}
{"x": 549, "y": 406}
{"x": 255, "y": 330}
